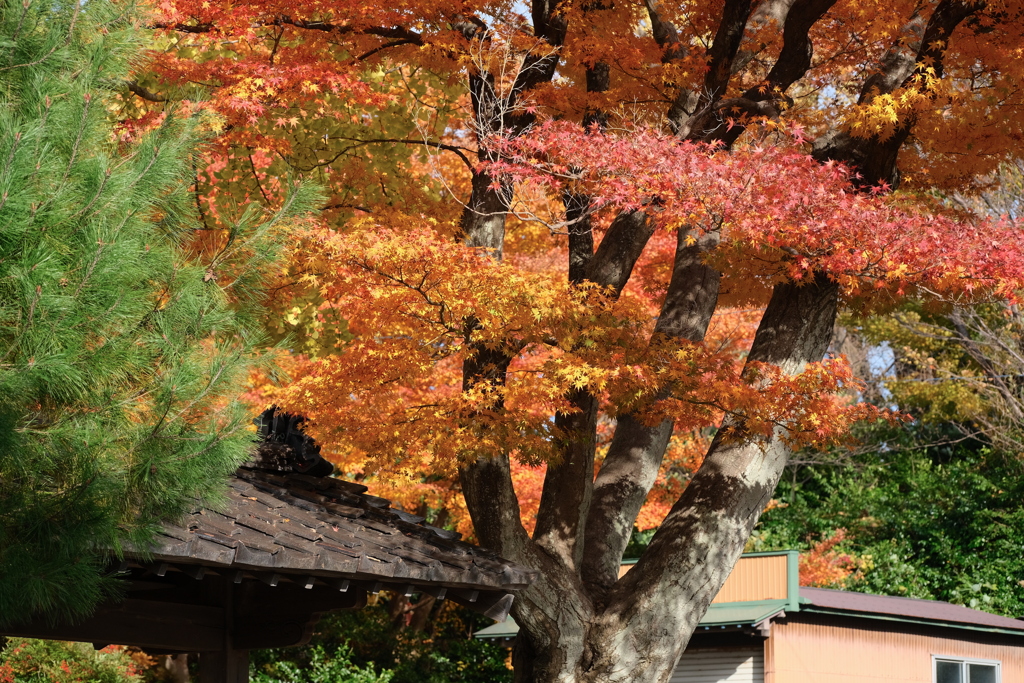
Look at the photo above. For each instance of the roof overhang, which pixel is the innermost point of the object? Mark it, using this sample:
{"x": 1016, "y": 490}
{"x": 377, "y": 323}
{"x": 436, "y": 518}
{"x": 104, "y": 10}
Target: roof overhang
{"x": 851, "y": 614}
{"x": 259, "y": 570}
{"x": 729, "y": 616}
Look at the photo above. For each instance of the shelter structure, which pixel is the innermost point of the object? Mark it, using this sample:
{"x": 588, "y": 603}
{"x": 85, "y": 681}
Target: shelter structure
{"x": 763, "y": 627}
{"x": 289, "y": 544}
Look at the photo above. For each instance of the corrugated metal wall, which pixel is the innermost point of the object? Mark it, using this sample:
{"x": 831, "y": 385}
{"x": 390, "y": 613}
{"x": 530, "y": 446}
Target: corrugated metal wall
{"x": 836, "y": 653}
{"x": 720, "y": 665}
{"x": 755, "y": 578}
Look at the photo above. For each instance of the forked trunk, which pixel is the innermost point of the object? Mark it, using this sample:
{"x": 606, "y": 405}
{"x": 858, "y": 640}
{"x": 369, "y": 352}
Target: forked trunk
{"x": 579, "y": 623}
{"x": 637, "y": 632}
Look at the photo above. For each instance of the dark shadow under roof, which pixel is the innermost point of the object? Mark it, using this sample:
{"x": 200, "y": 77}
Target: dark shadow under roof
{"x": 944, "y": 613}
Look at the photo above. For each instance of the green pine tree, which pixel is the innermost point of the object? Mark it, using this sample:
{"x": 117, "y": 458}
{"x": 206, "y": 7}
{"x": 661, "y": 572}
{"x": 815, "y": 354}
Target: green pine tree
{"x": 121, "y": 355}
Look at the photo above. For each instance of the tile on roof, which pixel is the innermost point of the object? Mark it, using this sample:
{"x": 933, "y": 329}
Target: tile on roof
{"x": 329, "y": 527}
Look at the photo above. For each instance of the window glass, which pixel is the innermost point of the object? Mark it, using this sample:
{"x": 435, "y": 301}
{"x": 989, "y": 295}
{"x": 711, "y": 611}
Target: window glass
{"x": 948, "y": 672}
{"x": 981, "y": 673}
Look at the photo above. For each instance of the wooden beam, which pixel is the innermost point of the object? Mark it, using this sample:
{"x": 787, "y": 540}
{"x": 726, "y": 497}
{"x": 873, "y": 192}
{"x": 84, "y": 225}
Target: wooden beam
{"x": 143, "y": 623}
{"x": 285, "y": 615}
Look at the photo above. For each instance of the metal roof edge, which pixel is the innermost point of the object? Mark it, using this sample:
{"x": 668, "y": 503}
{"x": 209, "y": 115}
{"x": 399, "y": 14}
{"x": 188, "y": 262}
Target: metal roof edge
{"x": 502, "y": 629}
{"x": 809, "y": 608}
{"x": 770, "y": 553}
{"x": 763, "y": 553}
{"x": 769, "y": 610}
{"x": 750, "y": 603}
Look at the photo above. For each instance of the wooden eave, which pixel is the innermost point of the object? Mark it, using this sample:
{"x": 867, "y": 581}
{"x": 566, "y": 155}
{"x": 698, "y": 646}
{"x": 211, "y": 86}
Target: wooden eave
{"x": 327, "y": 528}
{"x": 259, "y": 570}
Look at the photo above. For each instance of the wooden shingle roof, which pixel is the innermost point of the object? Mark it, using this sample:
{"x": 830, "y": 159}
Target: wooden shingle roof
{"x": 324, "y": 529}
{"x": 287, "y": 545}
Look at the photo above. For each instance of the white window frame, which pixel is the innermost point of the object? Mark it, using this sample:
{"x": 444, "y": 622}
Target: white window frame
{"x": 963, "y": 662}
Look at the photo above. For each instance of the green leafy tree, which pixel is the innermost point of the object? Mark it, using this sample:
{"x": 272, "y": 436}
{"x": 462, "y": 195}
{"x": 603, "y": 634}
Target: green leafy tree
{"x": 928, "y": 517}
{"x": 121, "y": 350}
{"x": 932, "y": 510}
{"x": 957, "y": 364}
{"x": 323, "y": 667}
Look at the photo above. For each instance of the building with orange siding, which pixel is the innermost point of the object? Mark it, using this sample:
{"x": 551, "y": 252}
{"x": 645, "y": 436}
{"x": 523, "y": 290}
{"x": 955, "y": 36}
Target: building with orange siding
{"x": 763, "y": 627}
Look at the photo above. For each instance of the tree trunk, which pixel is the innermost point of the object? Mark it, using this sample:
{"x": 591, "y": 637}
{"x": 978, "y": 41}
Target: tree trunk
{"x": 652, "y": 611}
{"x": 634, "y": 457}
{"x": 640, "y": 629}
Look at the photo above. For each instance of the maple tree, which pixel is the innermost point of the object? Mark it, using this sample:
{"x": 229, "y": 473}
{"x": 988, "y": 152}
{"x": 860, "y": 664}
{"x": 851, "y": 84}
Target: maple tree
{"x": 825, "y": 566}
{"x": 959, "y": 365}
{"x": 534, "y": 221}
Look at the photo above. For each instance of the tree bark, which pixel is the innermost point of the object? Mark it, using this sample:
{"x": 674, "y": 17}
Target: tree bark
{"x": 568, "y": 483}
{"x": 634, "y": 457}
{"x": 874, "y": 158}
{"x": 551, "y": 610}
{"x": 652, "y": 611}
{"x": 483, "y": 219}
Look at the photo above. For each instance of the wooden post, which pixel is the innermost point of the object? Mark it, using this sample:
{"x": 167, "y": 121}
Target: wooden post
{"x": 224, "y": 666}
{"x": 228, "y": 664}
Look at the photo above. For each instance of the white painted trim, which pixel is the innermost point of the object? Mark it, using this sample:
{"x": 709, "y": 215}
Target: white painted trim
{"x": 963, "y": 661}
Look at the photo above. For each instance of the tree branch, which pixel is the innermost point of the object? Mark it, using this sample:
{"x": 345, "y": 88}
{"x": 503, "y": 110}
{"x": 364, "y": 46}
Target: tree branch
{"x": 874, "y": 158}
{"x": 689, "y": 109}
{"x": 634, "y": 457}
{"x": 397, "y": 33}
{"x": 144, "y": 93}
{"x": 792, "y": 64}
{"x": 766, "y": 13}
{"x": 724, "y": 48}
{"x": 974, "y": 350}
{"x": 665, "y": 33}
{"x": 618, "y": 252}
{"x": 568, "y": 485}
{"x": 695, "y": 548}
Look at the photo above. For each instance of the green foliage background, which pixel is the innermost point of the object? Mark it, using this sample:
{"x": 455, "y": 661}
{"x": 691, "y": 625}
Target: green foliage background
{"x": 942, "y": 521}
{"x": 24, "y": 660}
{"x": 369, "y": 640}
{"x": 321, "y": 666}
